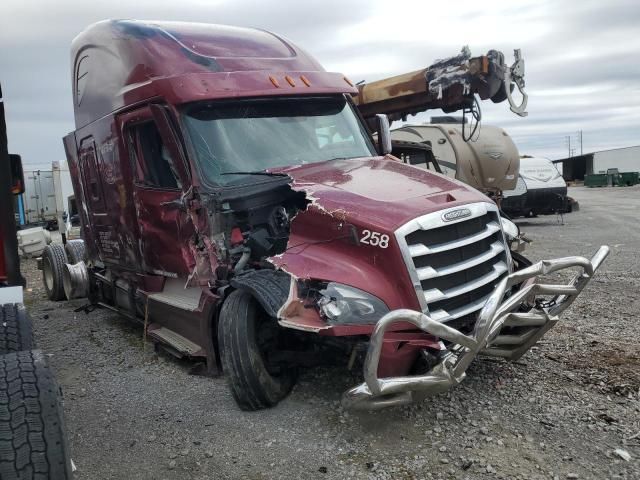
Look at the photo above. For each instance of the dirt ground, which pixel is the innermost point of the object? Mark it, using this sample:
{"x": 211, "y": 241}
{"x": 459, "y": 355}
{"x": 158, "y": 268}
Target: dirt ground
{"x": 570, "y": 408}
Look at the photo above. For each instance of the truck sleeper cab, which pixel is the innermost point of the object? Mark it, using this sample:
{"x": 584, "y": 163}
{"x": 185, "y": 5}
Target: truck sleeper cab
{"x": 232, "y": 199}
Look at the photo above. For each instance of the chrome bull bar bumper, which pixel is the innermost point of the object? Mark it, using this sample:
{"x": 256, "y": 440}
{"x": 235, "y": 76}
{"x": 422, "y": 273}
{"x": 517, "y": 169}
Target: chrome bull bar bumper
{"x": 487, "y": 337}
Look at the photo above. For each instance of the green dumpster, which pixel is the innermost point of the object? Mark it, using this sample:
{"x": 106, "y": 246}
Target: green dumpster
{"x": 627, "y": 179}
{"x": 596, "y": 180}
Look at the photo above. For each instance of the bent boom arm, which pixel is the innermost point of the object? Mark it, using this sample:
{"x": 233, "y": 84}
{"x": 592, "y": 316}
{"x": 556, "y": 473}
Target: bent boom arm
{"x": 449, "y": 84}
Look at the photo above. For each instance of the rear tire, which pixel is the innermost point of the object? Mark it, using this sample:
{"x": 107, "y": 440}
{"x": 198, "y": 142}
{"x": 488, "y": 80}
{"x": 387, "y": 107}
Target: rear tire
{"x": 75, "y": 251}
{"x": 53, "y": 260}
{"x": 15, "y": 329}
{"x": 252, "y": 385}
{"x": 33, "y": 443}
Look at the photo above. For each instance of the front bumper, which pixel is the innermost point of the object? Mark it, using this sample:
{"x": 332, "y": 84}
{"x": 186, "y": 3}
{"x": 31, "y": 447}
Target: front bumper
{"x": 503, "y": 329}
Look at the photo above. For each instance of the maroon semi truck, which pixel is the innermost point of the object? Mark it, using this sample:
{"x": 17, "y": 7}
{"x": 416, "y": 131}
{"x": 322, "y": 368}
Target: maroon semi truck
{"x": 234, "y": 200}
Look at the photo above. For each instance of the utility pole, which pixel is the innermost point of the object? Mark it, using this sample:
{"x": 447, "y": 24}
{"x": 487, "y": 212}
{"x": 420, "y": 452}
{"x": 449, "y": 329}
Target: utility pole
{"x": 580, "y": 132}
{"x": 568, "y": 139}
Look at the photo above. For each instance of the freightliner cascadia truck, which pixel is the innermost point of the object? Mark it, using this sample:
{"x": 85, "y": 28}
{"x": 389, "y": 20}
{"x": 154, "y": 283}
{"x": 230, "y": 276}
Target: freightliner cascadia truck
{"x": 233, "y": 200}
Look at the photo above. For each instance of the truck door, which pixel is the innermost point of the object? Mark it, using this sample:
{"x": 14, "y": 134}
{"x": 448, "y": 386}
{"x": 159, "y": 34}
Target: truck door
{"x": 158, "y": 185}
{"x": 105, "y": 235}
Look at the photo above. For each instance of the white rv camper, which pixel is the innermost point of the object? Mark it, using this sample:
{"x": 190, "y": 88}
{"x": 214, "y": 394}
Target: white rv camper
{"x": 540, "y": 190}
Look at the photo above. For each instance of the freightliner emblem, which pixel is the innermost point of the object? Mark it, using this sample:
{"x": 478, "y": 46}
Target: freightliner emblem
{"x": 456, "y": 214}
{"x": 495, "y": 155}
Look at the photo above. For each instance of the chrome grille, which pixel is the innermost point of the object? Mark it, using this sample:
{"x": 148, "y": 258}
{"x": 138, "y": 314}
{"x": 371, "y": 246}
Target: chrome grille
{"x": 455, "y": 265}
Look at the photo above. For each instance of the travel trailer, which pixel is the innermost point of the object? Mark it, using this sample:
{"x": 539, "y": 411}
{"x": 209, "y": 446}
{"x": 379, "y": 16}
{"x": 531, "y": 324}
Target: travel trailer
{"x": 488, "y": 161}
{"x": 540, "y": 190}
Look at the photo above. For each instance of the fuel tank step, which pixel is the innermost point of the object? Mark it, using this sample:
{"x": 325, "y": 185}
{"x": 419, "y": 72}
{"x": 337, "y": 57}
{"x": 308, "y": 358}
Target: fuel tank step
{"x": 182, "y": 345}
{"x": 176, "y": 295}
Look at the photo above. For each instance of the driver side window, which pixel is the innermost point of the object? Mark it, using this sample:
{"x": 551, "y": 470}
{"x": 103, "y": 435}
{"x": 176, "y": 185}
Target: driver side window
{"x": 150, "y": 158}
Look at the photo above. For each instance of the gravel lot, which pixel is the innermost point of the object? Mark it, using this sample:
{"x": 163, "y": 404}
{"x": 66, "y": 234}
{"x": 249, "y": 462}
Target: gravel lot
{"x": 560, "y": 412}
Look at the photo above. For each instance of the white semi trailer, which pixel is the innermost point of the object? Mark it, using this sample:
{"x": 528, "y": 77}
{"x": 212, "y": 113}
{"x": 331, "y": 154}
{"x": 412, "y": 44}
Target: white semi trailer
{"x": 45, "y": 198}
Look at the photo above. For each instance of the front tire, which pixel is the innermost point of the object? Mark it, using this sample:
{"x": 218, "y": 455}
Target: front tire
{"x": 255, "y": 384}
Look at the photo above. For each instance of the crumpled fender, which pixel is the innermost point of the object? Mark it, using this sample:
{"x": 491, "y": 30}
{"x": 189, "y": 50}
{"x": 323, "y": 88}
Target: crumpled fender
{"x": 269, "y": 287}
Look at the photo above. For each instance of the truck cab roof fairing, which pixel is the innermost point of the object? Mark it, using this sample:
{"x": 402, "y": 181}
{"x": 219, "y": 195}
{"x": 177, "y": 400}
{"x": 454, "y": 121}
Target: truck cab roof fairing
{"x": 115, "y": 62}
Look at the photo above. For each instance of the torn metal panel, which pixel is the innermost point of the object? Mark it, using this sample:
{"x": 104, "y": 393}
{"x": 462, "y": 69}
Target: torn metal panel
{"x": 325, "y": 242}
{"x": 295, "y": 313}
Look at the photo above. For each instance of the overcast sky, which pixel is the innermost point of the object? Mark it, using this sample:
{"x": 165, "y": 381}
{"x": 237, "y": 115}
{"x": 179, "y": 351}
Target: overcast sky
{"x": 582, "y": 57}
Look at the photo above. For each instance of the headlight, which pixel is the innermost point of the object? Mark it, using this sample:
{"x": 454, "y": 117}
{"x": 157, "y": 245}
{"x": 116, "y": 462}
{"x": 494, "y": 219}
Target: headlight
{"x": 511, "y": 230}
{"x": 342, "y": 304}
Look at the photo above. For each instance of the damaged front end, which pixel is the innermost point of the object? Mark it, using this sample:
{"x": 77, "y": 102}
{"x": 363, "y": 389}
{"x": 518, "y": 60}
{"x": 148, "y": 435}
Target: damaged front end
{"x": 441, "y": 288}
{"x": 346, "y": 251}
{"x": 506, "y": 327}
{"x": 322, "y": 279}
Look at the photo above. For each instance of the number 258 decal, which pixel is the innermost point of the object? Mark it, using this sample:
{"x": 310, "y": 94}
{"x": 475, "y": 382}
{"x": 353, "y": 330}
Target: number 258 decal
{"x": 375, "y": 239}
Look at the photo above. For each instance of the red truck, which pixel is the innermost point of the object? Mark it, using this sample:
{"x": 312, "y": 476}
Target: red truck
{"x": 234, "y": 200}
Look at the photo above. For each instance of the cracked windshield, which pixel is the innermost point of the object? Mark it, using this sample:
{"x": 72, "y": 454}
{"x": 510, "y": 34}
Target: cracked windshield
{"x": 233, "y": 140}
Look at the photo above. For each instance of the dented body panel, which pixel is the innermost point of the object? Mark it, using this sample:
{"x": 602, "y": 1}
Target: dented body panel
{"x": 346, "y": 199}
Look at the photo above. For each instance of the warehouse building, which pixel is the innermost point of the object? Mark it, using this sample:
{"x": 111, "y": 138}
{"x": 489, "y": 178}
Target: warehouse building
{"x": 625, "y": 159}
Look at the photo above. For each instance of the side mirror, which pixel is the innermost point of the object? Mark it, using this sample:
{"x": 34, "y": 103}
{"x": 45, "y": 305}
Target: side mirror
{"x": 17, "y": 175}
{"x": 384, "y": 134}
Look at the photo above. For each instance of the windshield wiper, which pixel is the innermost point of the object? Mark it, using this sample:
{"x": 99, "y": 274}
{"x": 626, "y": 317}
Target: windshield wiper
{"x": 259, "y": 172}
